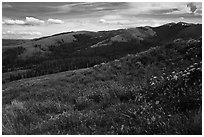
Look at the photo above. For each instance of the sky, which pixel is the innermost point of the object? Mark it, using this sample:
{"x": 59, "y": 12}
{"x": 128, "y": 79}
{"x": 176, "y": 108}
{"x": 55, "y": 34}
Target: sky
{"x": 27, "y": 20}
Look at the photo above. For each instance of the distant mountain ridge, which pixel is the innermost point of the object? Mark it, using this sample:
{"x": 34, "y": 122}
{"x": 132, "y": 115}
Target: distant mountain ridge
{"x": 160, "y": 34}
{"x": 80, "y": 49}
{"x": 173, "y": 31}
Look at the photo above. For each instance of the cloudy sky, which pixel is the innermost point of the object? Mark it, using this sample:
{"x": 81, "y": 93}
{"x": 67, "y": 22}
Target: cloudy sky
{"x": 35, "y": 19}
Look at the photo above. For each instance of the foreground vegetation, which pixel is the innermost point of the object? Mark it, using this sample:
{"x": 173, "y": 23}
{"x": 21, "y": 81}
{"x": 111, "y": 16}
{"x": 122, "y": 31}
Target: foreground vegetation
{"x": 158, "y": 91}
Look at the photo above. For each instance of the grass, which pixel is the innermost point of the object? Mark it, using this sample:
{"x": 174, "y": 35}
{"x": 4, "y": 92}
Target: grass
{"x": 138, "y": 94}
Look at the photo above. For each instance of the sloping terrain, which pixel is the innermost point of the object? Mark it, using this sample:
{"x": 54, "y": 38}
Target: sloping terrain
{"x": 13, "y": 42}
{"x": 182, "y": 30}
{"x": 164, "y": 32}
{"x": 77, "y": 50}
{"x": 42, "y": 44}
{"x": 158, "y": 91}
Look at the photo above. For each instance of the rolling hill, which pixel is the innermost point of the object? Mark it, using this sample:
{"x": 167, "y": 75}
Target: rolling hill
{"x": 76, "y": 50}
{"x": 165, "y": 32}
{"x": 156, "y": 91}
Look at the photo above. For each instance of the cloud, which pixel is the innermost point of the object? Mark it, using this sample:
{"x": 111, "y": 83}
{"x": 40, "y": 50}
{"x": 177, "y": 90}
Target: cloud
{"x": 33, "y": 21}
{"x": 195, "y": 8}
{"x": 198, "y": 11}
{"x": 95, "y": 16}
{"x": 151, "y": 7}
{"x": 114, "y": 19}
{"x": 150, "y": 22}
{"x": 102, "y": 21}
{"x": 6, "y": 6}
{"x": 55, "y": 21}
{"x": 13, "y": 22}
{"x": 10, "y": 32}
{"x": 192, "y": 7}
{"x": 182, "y": 18}
{"x": 28, "y": 21}
{"x": 29, "y": 33}
{"x": 84, "y": 9}
{"x": 183, "y": 9}
{"x": 164, "y": 11}
{"x": 160, "y": 8}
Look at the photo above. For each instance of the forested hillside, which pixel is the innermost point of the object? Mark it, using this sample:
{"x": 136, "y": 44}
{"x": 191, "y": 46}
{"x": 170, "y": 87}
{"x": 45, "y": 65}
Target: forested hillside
{"x": 157, "y": 91}
{"x": 76, "y": 50}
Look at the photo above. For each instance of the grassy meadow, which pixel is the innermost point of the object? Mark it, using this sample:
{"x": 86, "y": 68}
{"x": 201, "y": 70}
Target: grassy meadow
{"x": 158, "y": 91}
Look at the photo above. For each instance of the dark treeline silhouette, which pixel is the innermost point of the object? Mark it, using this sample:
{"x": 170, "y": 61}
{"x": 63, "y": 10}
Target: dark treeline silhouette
{"x": 67, "y": 57}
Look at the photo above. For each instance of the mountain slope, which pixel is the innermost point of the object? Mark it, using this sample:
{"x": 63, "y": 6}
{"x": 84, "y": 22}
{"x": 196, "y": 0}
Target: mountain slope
{"x": 157, "y": 91}
{"x": 76, "y": 50}
{"x": 168, "y": 32}
{"x": 174, "y": 31}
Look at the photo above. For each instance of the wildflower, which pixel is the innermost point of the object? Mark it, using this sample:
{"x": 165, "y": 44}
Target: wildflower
{"x": 153, "y": 118}
{"x": 122, "y": 127}
{"x": 175, "y": 77}
{"x": 148, "y": 122}
{"x": 155, "y": 77}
